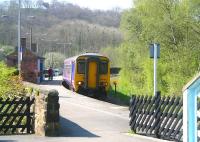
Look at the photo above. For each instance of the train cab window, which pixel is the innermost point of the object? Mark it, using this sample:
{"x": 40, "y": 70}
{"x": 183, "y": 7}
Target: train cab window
{"x": 104, "y": 67}
{"x": 81, "y": 66}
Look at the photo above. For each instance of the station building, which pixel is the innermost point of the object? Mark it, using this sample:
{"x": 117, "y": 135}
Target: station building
{"x": 32, "y": 65}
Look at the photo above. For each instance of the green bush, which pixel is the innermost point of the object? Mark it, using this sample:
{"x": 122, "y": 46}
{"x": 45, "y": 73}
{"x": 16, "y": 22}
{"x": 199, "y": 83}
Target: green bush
{"x": 10, "y": 84}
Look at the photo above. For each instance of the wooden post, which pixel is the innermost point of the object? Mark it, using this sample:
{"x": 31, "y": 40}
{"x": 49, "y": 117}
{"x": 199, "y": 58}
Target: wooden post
{"x": 157, "y": 108}
{"x": 28, "y": 120}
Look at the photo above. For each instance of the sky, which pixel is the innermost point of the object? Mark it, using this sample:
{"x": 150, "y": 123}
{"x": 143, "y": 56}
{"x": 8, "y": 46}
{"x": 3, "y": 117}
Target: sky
{"x": 100, "y": 4}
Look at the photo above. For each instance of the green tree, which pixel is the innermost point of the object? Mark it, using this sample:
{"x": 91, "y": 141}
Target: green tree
{"x": 53, "y": 59}
{"x": 5, "y": 50}
{"x": 175, "y": 25}
{"x": 113, "y": 53}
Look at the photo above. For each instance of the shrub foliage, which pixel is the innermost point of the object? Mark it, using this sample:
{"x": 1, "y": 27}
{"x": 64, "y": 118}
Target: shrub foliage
{"x": 10, "y": 85}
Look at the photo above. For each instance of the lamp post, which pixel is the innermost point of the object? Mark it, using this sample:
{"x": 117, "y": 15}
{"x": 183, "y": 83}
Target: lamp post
{"x": 30, "y": 18}
{"x": 39, "y": 38}
{"x": 19, "y": 35}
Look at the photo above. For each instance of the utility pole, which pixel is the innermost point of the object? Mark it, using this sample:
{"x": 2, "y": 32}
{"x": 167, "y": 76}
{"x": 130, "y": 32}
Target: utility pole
{"x": 19, "y": 38}
{"x": 31, "y": 38}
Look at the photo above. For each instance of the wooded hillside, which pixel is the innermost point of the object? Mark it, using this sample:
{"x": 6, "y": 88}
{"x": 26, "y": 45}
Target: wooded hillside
{"x": 59, "y": 29}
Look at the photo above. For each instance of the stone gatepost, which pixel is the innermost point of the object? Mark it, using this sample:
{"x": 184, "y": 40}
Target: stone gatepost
{"x": 47, "y": 113}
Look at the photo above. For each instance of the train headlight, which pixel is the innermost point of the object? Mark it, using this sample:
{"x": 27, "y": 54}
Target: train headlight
{"x": 104, "y": 84}
{"x": 80, "y": 83}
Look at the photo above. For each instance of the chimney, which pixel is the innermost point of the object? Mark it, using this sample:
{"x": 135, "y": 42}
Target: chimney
{"x": 16, "y": 48}
{"x": 23, "y": 43}
{"x": 34, "y": 47}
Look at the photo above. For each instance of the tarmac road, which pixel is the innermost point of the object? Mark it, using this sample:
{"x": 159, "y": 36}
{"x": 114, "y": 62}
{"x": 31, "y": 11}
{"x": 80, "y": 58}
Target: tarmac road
{"x": 85, "y": 119}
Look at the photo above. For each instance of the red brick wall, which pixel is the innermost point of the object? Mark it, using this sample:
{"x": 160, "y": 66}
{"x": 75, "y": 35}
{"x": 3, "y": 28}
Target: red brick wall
{"x": 29, "y": 66}
{"x": 29, "y": 70}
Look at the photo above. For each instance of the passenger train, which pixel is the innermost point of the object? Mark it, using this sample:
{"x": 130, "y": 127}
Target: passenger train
{"x": 87, "y": 73}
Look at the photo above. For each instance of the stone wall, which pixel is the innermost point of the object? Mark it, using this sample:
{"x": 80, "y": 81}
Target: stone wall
{"x": 47, "y": 113}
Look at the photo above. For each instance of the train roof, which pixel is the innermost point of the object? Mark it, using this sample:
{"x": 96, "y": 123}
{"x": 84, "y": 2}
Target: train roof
{"x": 84, "y": 54}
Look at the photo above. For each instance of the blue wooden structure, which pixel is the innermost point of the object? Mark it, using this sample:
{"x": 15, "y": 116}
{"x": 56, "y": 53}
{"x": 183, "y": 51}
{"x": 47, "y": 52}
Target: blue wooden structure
{"x": 40, "y": 68}
{"x": 190, "y": 93}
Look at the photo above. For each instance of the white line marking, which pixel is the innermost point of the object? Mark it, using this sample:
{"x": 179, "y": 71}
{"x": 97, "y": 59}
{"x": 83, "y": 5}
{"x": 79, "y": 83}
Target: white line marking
{"x": 119, "y": 107}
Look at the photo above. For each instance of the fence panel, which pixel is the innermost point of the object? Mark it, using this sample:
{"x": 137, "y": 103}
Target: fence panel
{"x": 157, "y": 117}
{"x": 16, "y": 116}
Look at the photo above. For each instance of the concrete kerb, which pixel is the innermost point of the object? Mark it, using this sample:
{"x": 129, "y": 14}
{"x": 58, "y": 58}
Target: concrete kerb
{"x": 148, "y": 138}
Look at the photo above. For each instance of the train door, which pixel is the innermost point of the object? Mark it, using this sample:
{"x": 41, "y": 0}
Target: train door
{"x": 92, "y": 74}
{"x": 72, "y": 72}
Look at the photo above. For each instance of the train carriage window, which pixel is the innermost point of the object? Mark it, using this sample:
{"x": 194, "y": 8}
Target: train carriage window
{"x": 104, "y": 67}
{"x": 81, "y": 67}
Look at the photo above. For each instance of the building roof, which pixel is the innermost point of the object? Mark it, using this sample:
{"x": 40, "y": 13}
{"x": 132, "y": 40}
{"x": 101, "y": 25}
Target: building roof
{"x": 14, "y": 55}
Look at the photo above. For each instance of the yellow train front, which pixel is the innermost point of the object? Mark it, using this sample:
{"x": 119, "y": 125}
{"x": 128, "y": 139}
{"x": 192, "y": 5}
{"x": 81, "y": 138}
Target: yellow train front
{"x": 87, "y": 73}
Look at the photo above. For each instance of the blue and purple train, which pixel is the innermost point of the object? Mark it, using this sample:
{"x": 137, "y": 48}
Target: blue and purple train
{"x": 86, "y": 73}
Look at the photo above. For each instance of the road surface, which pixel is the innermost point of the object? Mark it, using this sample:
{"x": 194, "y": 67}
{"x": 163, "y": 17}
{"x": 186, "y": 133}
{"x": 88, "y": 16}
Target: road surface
{"x": 85, "y": 119}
